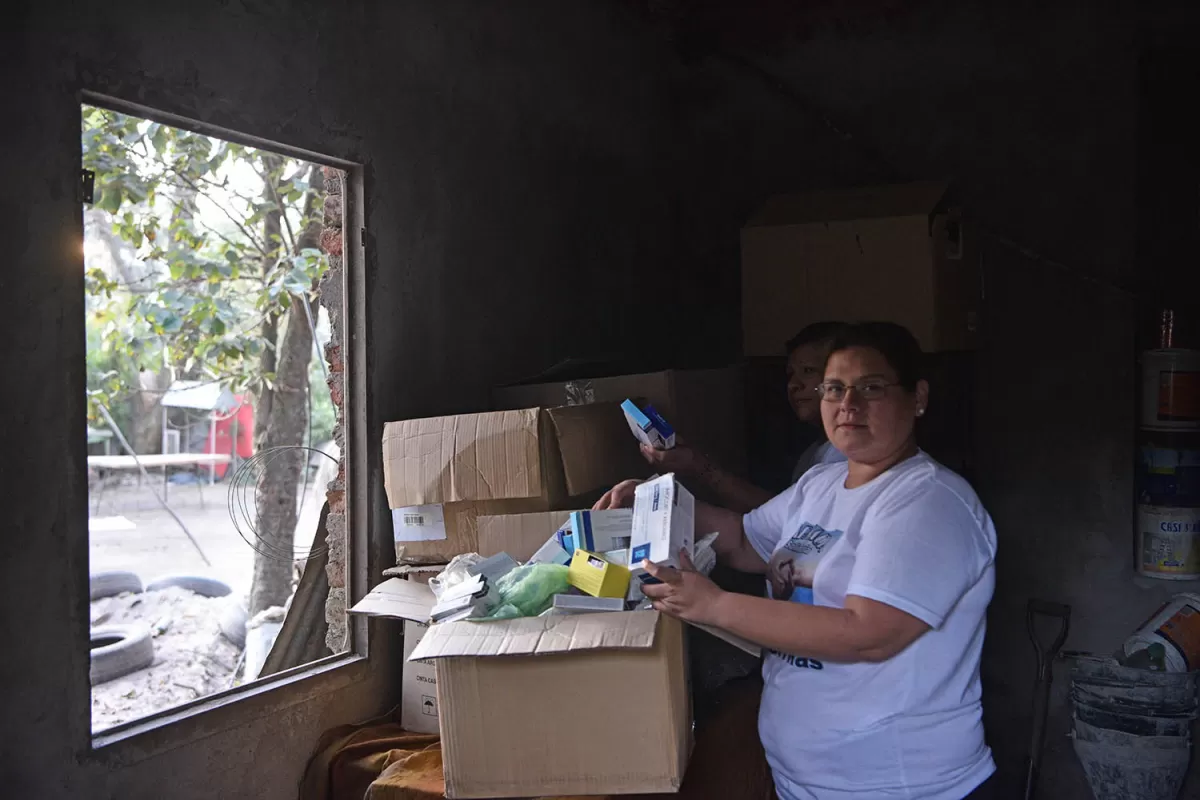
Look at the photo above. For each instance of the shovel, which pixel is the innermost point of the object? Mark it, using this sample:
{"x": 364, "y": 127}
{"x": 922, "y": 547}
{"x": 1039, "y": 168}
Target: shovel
{"x": 1041, "y": 689}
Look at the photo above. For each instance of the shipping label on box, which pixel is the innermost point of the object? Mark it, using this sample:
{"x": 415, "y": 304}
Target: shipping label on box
{"x": 418, "y": 695}
{"x": 664, "y": 515}
{"x": 419, "y": 523}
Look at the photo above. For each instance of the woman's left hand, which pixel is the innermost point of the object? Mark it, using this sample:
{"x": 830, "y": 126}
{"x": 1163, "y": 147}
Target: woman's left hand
{"x": 684, "y": 592}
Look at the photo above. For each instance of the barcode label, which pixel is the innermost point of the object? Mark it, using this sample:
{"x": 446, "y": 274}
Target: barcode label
{"x": 419, "y": 523}
{"x": 620, "y": 543}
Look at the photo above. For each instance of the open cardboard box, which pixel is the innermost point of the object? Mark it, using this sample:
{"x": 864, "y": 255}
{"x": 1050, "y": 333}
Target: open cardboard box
{"x": 582, "y": 704}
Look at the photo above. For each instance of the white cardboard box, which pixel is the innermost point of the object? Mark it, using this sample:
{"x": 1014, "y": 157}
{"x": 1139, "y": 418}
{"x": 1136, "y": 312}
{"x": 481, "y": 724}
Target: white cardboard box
{"x": 664, "y": 522}
{"x": 418, "y": 690}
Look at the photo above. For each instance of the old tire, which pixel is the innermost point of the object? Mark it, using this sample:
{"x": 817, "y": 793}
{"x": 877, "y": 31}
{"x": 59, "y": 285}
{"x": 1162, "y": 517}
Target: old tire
{"x": 119, "y": 650}
{"x": 200, "y": 584}
{"x": 113, "y": 582}
{"x": 233, "y": 623}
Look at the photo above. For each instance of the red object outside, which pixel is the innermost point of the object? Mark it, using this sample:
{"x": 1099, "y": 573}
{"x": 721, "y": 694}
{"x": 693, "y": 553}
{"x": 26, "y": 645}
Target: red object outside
{"x": 243, "y": 422}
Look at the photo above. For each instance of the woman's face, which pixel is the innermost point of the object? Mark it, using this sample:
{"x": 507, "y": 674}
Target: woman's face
{"x": 870, "y": 431}
{"x": 804, "y": 370}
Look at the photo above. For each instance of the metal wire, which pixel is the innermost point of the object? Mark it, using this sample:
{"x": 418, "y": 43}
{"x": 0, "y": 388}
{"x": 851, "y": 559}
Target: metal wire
{"x": 243, "y": 503}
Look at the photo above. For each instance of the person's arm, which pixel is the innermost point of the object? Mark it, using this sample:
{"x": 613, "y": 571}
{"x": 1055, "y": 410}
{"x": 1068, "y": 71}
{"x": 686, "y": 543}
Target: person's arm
{"x": 919, "y": 554}
{"x": 731, "y": 491}
{"x": 865, "y": 630}
{"x": 732, "y": 547}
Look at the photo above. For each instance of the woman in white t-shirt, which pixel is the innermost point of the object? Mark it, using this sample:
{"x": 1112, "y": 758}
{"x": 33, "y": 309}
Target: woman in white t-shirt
{"x": 883, "y": 570}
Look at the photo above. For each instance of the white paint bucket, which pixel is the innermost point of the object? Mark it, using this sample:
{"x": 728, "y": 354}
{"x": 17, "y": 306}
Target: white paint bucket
{"x": 1171, "y": 390}
{"x": 1176, "y": 626}
{"x": 1168, "y": 542}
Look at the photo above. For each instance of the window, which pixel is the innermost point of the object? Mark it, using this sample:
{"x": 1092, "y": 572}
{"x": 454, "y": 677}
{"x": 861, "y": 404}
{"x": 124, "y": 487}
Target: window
{"x": 214, "y": 274}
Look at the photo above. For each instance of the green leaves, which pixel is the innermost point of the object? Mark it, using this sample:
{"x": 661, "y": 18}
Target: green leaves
{"x": 211, "y": 261}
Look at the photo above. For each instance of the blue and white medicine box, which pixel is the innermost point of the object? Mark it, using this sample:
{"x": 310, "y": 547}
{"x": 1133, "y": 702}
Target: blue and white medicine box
{"x": 551, "y": 552}
{"x": 597, "y": 531}
{"x": 648, "y": 426}
{"x": 664, "y": 515}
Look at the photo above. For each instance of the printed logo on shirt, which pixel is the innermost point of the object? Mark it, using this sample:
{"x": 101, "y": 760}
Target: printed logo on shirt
{"x": 791, "y": 569}
{"x": 797, "y": 661}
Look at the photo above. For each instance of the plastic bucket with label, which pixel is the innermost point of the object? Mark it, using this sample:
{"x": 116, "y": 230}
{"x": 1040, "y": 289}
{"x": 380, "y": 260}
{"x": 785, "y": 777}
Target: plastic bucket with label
{"x": 1176, "y": 626}
{"x": 1171, "y": 389}
{"x": 1168, "y": 469}
{"x": 1168, "y": 543}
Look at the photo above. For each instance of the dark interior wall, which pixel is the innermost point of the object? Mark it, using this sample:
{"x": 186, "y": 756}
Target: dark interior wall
{"x": 513, "y": 186}
{"x": 1034, "y": 112}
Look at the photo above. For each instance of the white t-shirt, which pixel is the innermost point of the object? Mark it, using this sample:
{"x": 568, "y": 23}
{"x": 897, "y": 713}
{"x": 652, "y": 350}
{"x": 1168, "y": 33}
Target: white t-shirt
{"x": 918, "y": 539}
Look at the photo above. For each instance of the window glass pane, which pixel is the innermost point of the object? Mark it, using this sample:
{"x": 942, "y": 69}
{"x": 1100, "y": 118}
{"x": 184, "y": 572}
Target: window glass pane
{"x": 213, "y": 431}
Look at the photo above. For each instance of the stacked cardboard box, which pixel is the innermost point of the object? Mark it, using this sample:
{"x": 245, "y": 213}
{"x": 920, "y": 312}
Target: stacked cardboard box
{"x": 506, "y": 482}
{"x": 703, "y": 405}
{"x": 901, "y": 253}
{"x": 443, "y": 474}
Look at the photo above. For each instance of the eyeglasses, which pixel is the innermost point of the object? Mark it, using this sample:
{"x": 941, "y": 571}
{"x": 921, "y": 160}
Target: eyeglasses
{"x": 836, "y": 392}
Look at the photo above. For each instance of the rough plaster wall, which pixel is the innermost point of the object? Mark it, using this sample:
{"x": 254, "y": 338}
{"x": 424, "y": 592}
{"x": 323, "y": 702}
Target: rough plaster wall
{"x": 331, "y": 293}
{"x": 1034, "y": 112}
{"x": 508, "y": 170}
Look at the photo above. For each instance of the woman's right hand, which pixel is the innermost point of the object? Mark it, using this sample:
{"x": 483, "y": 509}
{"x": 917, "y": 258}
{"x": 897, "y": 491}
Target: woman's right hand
{"x": 620, "y": 496}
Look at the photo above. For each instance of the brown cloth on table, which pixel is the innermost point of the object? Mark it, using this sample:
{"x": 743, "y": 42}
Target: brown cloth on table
{"x": 379, "y": 760}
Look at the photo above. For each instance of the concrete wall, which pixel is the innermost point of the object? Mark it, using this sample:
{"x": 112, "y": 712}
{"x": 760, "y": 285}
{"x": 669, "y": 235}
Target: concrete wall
{"x": 1034, "y": 112}
{"x": 511, "y": 160}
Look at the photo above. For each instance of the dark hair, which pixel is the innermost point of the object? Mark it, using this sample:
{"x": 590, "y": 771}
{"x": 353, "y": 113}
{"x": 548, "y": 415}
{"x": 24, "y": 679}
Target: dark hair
{"x": 816, "y": 333}
{"x": 894, "y": 342}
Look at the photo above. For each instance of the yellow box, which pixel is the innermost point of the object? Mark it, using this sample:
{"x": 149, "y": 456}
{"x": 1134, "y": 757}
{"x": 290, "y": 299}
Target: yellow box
{"x": 590, "y": 573}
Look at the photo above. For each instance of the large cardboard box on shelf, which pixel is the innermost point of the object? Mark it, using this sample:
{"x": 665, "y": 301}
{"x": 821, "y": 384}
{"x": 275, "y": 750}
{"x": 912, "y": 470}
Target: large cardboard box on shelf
{"x": 442, "y": 474}
{"x": 895, "y": 253}
{"x": 702, "y": 405}
{"x": 503, "y": 690}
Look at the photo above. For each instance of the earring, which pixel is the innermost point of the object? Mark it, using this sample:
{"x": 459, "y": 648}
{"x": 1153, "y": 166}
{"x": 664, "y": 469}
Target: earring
{"x": 920, "y": 412}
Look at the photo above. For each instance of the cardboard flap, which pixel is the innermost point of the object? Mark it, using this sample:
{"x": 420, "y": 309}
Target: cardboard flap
{"x": 597, "y": 449}
{"x": 902, "y": 200}
{"x": 491, "y": 456}
{"x": 425, "y": 571}
{"x": 633, "y": 630}
{"x": 398, "y": 598}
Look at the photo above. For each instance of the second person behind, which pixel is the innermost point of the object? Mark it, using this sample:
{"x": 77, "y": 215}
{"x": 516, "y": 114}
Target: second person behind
{"x": 806, "y": 354}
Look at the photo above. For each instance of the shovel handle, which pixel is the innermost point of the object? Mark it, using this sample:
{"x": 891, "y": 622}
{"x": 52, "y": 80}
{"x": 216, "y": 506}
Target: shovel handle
{"x": 1041, "y": 690}
{"x": 1046, "y": 608}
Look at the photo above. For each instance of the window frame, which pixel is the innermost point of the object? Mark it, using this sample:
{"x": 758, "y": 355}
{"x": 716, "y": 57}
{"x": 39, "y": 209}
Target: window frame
{"x": 167, "y": 729}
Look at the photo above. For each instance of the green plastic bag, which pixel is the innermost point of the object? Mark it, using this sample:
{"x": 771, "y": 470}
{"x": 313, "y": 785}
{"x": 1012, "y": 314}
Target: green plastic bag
{"x": 529, "y": 590}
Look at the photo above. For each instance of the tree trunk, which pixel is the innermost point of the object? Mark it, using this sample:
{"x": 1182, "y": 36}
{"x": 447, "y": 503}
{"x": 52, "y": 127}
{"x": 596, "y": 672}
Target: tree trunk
{"x": 146, "y": 436}
{"x": 272, "y": 235}
{"x": 286, "y": 423}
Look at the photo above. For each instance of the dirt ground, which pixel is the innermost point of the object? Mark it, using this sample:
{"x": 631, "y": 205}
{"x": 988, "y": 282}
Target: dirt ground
{"x": 191, "y": 657}
{"x": 156, "y": 546}
{"x": 129, "y": 530}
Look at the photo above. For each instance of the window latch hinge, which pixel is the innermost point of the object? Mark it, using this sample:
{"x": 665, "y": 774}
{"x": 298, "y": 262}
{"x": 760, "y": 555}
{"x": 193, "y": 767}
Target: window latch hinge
{"x": 87, "y": 186}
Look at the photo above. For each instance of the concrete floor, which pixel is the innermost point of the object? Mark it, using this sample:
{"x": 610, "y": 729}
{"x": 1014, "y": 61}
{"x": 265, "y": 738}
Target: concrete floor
{"x": 156, "y": 546}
